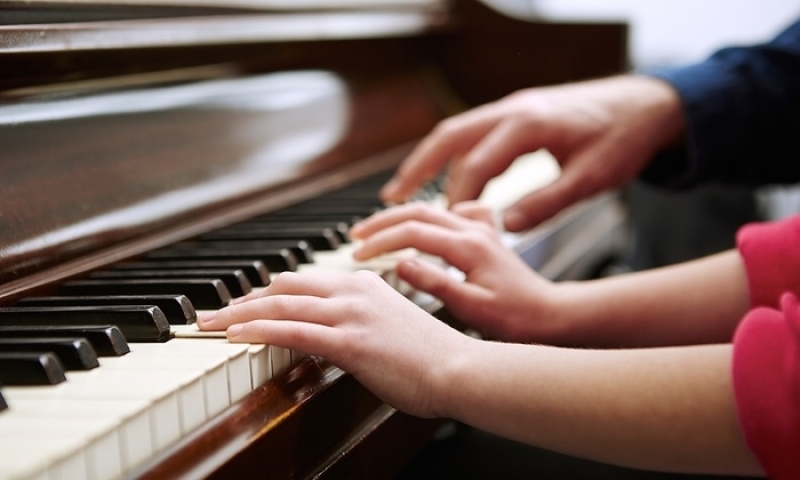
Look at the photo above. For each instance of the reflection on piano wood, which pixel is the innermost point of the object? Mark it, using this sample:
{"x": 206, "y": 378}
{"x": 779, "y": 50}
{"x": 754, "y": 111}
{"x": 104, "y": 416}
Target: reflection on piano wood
{"x": 162, "y": 159}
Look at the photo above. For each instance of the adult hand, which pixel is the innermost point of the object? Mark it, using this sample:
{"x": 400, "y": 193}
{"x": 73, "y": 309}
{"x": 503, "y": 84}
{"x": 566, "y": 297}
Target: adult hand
{"x": 357, "y": 322}
{"x": 602, "y": 133}
{"x": 501, "y": 296}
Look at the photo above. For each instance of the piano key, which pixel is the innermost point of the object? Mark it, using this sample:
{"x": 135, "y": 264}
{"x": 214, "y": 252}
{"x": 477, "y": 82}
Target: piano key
{"x": 74, "y": 353}
{"x": 345, "y": 218}
{"x": 3, "y": 403}
{"x": 97, "y": 438}
{"x": 31, "y": 369}
{"x": 340, "y": 228}
{"x": 236, "y": 355}
{"x": 266, "y": 361}
{"x": 300, "y": 210}
{"x": 165, "y": 391}
{"x": 302, "y": 250}
{"x": 320, "y": 238}
{"x": 107, "y": 340}
{"x": 138, "y": 323}
{"x": 256, "y": 271}
{"x": 131, "y": 418}
{"x": 177, "y": 308}
{"x": 202, "y": 293}
{"x": 276, "y": 260}
{"x": 52, "y": 458}
{"x": 235, "y": 280}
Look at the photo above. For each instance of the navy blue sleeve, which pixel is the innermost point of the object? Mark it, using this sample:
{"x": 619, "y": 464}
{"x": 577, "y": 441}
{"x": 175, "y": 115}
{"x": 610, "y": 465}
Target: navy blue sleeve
{"x": 742, "y": 108}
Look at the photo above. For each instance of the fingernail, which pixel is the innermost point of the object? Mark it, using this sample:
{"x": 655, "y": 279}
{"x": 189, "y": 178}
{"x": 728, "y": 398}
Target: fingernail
{"x": 514, "y": 220}
{"x": 206, "y": 317}
{"x": 355, "y": 229}
{"x": 235, "y": 330}
{"x": 390, "y": 189}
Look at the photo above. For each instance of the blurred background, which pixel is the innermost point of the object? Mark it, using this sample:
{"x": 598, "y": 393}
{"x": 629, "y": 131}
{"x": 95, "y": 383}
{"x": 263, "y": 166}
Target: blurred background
{"x": 672, "y": 227}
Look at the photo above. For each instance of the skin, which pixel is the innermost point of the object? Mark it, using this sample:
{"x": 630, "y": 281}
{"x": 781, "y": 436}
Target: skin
{"x": 669, "y": 406}
{"x": 601, "y": 132}
{"x": 661, "y": 408}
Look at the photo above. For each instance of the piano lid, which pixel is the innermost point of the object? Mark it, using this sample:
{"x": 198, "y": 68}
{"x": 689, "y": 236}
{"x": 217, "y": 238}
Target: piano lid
{"x": 63, "y": 25}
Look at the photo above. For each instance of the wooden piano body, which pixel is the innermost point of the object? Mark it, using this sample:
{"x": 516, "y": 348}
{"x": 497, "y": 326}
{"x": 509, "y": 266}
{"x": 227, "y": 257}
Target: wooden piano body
{"x": 127, "y": 127}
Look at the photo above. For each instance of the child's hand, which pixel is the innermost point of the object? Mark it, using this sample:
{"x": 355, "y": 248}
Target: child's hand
{"x": 357, "y": 322}
{"x": 501, "y": 296}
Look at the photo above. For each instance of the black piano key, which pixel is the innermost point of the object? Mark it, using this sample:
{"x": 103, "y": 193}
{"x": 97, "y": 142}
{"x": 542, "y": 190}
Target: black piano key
{"x": 279, "y": 260}
{"x": 204, "y": 294}
{"x": 138, "y": 323}
{"x": 345, "y": 218}
{"x": 3, "y": 403}
{"x": 340, "y": 228}
{"x": 299, "y": 211}
{"x": 31, "y": 369}
{"x": 235, "y": 280}
{"x": 301, "y": 249}
{"x": 75, "y": 353}
{"x": 257, "y": 273}
{"x": 107, "y": 340}
{"x": 319, "y": 238}
{"x": 177, "y": 308}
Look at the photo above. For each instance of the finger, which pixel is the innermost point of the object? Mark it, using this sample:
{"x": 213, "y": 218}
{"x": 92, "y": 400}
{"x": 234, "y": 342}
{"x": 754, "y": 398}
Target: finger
{"x": 462, "y": 249}
{"x": 259, "y": 292}
{"x": 311, "y": 338}
{"x": 474, "y": 211}
{"x": 439, "y": 283}
{"x": 572, "y": 185}
{"x": 489, "y": 158}
{"x": 317, "y": 284}
{"x": 417, "y": 211}
{"x": 448, "y": 139}
{"x": 284, "y": 307}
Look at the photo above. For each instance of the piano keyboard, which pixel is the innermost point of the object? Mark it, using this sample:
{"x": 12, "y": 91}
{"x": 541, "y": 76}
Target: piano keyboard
{"x": 102, "y": 422}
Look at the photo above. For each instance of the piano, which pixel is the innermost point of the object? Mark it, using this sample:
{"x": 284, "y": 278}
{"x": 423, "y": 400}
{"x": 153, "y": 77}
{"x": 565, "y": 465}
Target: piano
{"x": 182, "y": 151}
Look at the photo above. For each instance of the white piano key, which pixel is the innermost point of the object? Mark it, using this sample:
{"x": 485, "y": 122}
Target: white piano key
{"x": 200, "y": 399}
{"x": 263, "y": 364}
{"x": 98, "y": 438}
{"x": 237, "y": 363}
{"x": 260, "y": 365}
{"x": 171, "y": 390}
{"x": 281, "y": 360}
{"x": 26, "y": 472}
{"x": 53, "y": 458}
{"x": 266, "y": 361}
{"x": 160, "y": 391}
{"x": 131, "y": 416}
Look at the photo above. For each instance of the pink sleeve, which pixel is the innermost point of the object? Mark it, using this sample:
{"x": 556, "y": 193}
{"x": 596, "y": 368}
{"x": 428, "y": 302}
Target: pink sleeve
{"x": 766, "y": 360}
{"x": 771, "y": 253}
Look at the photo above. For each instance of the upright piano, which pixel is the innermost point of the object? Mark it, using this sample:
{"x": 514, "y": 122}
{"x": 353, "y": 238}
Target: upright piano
{"x": 162, "y": 148}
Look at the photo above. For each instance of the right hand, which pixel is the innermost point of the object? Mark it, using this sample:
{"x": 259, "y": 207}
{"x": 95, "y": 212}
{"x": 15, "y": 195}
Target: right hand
{"x": 501, "y": 297}
{"x": 602, "y": 133}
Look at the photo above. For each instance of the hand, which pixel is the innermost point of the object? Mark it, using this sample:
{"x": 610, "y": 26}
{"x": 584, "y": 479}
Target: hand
{"x": 355, "y": 321}
{"x": 501, "y": 296}
{"x": 602, "y": 133}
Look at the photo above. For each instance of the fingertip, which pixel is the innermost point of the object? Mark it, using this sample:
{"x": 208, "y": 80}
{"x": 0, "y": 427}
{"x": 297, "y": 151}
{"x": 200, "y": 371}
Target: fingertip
{"x": 205, "y": 320}
{"x": 393, "y": 190}
{"x": 514, "y": 220}
{"x": 234, "y": 331}
{"x": 356, "y": 230}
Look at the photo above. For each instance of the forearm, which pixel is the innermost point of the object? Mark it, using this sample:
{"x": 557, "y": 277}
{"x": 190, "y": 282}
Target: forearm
{"x": 661, "y": 409}
{"x": 695, "y": 302}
